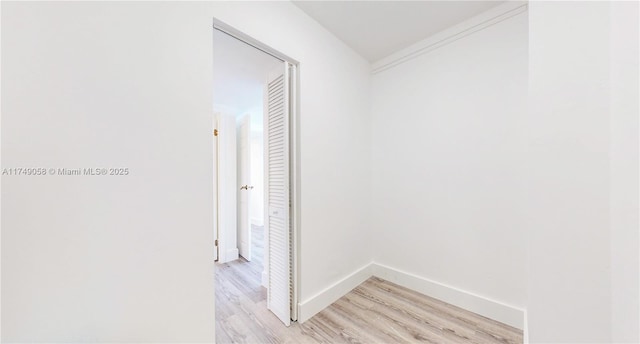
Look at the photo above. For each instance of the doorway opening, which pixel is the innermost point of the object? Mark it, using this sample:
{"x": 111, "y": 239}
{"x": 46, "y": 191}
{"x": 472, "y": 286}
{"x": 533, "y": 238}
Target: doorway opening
{"x": 255, "y": 176}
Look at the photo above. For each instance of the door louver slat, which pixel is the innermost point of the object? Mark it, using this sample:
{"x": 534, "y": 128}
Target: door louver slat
{"x": 277, "y": 181}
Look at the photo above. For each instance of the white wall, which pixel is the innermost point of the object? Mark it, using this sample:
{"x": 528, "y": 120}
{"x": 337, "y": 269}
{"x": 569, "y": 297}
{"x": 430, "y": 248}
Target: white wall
{"x": 471, "y": 175}
{"x": 625, "y": 289}
{"x": 239, "y": 74}
{"x": 129, "y": 84}
{"x": 111, "y": 258}
{"x": 583, "y": 170}
{"x": 447, "y": 177}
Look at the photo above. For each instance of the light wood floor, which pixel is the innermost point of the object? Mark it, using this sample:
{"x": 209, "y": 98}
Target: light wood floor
{"x": 377, "y": 311}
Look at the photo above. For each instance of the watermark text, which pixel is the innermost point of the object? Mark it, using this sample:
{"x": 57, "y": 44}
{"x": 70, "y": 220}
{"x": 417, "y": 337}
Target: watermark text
{"x": 65, "y": 171}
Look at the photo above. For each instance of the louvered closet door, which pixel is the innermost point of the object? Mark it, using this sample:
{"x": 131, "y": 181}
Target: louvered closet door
{"x": 277, "y": 194}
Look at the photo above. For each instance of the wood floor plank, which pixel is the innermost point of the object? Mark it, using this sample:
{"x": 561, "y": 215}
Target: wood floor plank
{"x": 377, "y": 311}
{"x": 399, "y": 306}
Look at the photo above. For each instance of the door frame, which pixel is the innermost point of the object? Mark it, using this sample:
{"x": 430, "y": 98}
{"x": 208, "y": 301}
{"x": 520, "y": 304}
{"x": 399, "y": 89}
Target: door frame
{"x": 294, "y": 149}
{"x": 225, "y": 193}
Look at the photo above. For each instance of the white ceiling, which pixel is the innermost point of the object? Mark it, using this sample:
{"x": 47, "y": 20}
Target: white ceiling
{"x": 239, "y": 73}
{"x": 376, "y": 29}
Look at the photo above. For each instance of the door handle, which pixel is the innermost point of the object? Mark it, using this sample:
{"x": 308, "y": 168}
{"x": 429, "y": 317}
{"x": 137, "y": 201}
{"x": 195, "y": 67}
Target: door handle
{"x": 246, "y": 187}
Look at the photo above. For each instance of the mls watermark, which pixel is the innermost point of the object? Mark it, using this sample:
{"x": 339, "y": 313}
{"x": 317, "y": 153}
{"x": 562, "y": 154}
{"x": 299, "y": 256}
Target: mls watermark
{"x": 77, "y": 171}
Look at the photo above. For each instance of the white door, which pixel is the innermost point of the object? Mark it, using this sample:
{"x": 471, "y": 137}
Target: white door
{"x": 227, "y": 188}
{"x": 277, "y": 197}
{"x": 245, "y": 186}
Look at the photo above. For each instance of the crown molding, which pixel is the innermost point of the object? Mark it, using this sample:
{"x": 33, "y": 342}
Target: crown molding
{"x": 484, "y": 20}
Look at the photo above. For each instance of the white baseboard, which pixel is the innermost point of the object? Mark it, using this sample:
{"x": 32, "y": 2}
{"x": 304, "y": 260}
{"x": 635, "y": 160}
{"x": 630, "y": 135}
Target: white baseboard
{"x": 309, "y": 307}
{"x": 492, "y": 309}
